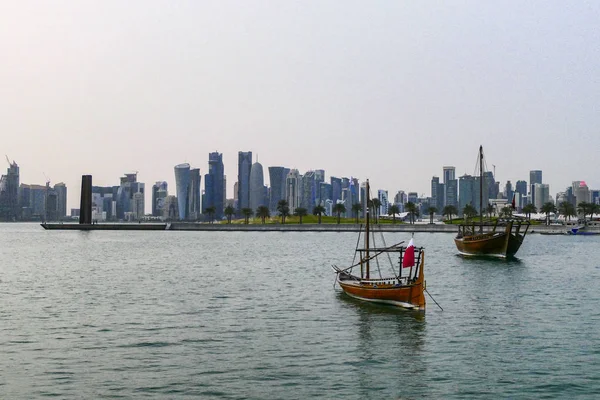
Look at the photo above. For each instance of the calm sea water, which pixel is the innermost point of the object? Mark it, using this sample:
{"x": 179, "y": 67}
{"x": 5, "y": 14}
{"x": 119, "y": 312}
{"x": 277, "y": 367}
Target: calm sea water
{"x": 238, "y": 315}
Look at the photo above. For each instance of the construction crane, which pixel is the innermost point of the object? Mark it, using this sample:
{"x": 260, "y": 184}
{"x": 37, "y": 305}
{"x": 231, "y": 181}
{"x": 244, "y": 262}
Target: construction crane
{"x": 47, "y": 179}
{"x": 7, "y": 160}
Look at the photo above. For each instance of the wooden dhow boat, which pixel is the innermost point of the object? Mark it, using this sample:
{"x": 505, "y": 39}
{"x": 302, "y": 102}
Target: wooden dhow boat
{"x": 403, "y": 287}
{"x": 501, "y": 238}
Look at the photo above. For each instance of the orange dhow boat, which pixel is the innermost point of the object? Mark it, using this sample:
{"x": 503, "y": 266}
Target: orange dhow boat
{"x": 403, "y": 287}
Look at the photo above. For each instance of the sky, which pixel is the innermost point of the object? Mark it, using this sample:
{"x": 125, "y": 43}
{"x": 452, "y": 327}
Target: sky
{"x": 386, "y": 90}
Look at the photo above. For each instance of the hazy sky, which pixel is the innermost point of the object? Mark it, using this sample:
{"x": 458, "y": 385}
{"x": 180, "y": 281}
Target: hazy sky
{"x": 386, "y": 90}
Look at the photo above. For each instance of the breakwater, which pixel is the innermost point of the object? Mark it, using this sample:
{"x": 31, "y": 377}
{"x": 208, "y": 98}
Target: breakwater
{"x": 196, "y": 226}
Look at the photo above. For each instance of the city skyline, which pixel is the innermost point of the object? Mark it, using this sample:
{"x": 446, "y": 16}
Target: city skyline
{"x": 384, "y": 92}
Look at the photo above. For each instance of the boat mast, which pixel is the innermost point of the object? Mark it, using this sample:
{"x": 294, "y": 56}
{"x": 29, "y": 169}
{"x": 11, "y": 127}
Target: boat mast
{"x": 481, "y": 188}
{"x": 367, "y": 232}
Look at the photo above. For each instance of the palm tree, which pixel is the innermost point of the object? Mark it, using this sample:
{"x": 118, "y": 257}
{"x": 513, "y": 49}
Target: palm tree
{"x": 210, "y": 211}
{"x": 529, "y": 209}
{"x": 318, "y": 211}
{"x": 506, "y": 212}
{"x": 469, "y": 211}
{"x": 263, "y": 212}
{"x": 300, "y": 212}
{"x": 247, "y": 213}
{"x": 489, "y": 210}
{"x": 283, "y": 209}
{"x": 583, "y": 208}
{"x": 594, "y": 209}
{"x": 339, "y": 208}
{"x": 411, "y": 208}
{"x": 431, "y": 211}
{"x": 565, "y": 208}
{"x": 548, "y": 208}
{"x": 393, "y": 210}
{"x": 229, "y": 212}
{"x": 375, "y": 204}
{"x": 449, "y": 211}
{"x": 356, "y": 208}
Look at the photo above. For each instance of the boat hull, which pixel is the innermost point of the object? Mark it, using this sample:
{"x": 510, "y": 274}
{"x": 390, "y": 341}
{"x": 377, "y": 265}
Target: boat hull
{"x": 492, "y": 244}
{"x": 409, "y": 296}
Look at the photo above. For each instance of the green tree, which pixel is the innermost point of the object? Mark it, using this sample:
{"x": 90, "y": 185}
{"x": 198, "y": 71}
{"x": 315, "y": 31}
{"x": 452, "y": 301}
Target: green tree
{"x": 356, "y": 209}
{"x": 300, "y": 212}
{"x": 529, "y": 209}
{"x": 548, "y": 208}
{"x": 318, "y": 211}
{"x": 263, "y": 212}
{"x": 247, "y": 213}
{"x": 583, "y": 209}
{"x": 411, "y": 208}
{"x": 339, "y": 208}
{"x": 506, "y": 212}
{"x": 567, "y": 210}
{"x": 469, "y": 212}
{"x": 449, "y": 211}
{"x": 229, "y": 212}
{"x": 283, "y": 209}
{"x": 594, "y": 209}
{"x": 431, "y": 211}
{"x": 210, "y": 211}
{"x": 393, "y": 210}
{"x": 489, "y": 210}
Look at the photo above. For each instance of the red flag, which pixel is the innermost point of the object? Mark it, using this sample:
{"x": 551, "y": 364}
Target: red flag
{"x": 513, "y": 201}
{"x": 409, "y": 255}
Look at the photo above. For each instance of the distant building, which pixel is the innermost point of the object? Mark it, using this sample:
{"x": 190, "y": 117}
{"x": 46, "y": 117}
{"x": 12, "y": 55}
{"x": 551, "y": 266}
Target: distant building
{"x": 61, "y": 193}
{"x": 437, "y": 193}
{"x": 541, "y": 195}
{"x": 195, "y": 199}
{"x": 214, "y": 185}
{"x": 451, "y": 188}
{"x": 520, "y": 192}
{"x": 535, "y": 176}
{"x": 9, "y": 193}
{"x": 257, "y": 185}
{"x": 159, "y": 193}
{"x": 466, "y": 192}
{"x": 382, "y": 195}
{"x": 171, "y": 213}
{"x": 138, "y": 206}
{"x": 51, "y": 212}
{"x": 448, "y": 174}
{"x": 104, "y": 203}
{"x": 182, "y": 186}
{"x": 293, "y": 189}
{"x": 277, "y": 178}
{"x": 244, "y": 167}
{"x": 581, "y": 192}
{"x": 309, "y": 191}
{"x": 129, "y": 185}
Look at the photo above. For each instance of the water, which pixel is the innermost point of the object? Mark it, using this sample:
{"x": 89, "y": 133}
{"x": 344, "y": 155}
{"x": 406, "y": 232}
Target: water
{"x": 248, "y": 315}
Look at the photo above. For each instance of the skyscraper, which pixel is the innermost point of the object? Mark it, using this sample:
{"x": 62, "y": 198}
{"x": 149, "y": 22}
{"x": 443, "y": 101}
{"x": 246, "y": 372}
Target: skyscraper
{"x": 581, "y": 192}
{"x": 9, "y": 193}
{"x": 194, "y": 210}
{"x": 159, "y": 193}
{"x": 214, "y": 184}
{"x": 293, "y": 191}
{"x": 449, "y": 174}
{"x": 244, "y": 167}
{"x": 520, "y": 193}
{"x": 336, "y": 189}
{"x": 61, "y": 199}
{"x": 382, "y": 195}
{"x": 451, "y": 188}
{"x": 257, "y": 186}
{"x": 277, "y": 177}
{"x": 309, "y": 191}
{"x": 466, "y": 192}
{"x": 541, "y": 195}
{"x": 437, "y": 193}
{"x": 535, "y": 176}
{"x": 182, "y": 184}
{"x": 129, "y": 185}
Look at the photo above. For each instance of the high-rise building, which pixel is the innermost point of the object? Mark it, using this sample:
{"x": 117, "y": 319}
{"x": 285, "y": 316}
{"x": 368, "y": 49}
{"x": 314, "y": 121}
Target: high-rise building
{"x": 51, "y": 204}
{"x": 466, "y": 192}
{"x": 324, "y": 192}
{"x": 159, "y": 193}
{"x": 412, "y": 197}
{"x": 9, "y": 193}
{"x": 244, "y": 167}
{"x": 336, "y": 189}
{"x": 437, "y": 193}
{"x": 182, "y": 186}
{"x": 257, "y": 186}
{"x": 449, "y": 174}
{"x": 214, "y": 184}
{"x": 541, "y": 195}
{"x": 277, "y": 178}
{"x": 535, "y": 176}
{"x": 319, "y": 178}
{"x": 581, "y": 192}
{"x": 170, "y": 210}
{"x": 138, "y": 206}
{"x": 104, "y": 203}
{"x": 195, "y": 208}
{"x": 451, "y": 188}
{"x": 508, "y": 191}
{"x": 309, "y": 191}
{"x": 61, "y": 199}
{"x": 129, "y": 185}
{"x": 384, "y": 204}
{"x": 293, "y": 190}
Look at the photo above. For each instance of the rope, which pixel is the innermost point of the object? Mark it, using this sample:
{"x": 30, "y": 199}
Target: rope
{"x": 433, "y": 299}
